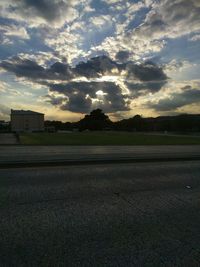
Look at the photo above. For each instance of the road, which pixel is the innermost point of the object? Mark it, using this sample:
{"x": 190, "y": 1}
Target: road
{"x": 144, "y": 214}
{"x": 68, "y": 154}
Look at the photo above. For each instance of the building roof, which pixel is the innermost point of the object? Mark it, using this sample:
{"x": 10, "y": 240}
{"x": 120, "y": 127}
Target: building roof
{"x": 25, "y": 112}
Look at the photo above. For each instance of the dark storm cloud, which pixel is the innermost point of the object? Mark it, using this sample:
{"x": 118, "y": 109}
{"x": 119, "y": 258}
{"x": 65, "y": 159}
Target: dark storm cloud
{"x": 24, "y": 68}
{"x": 138, "y": 89}
{"x": 122, "y": 56}
{"x": 151, "y": 78}
{"x": 147, "y": 71}
{"x": 98, "y": 66}
{"x": 110, "y": 88}
{"x": 31, "y": 70}
{"x": 45, "y": 8}
{"x": 78, "y": 103}
{"x": 77, "y": 96}
{"x": 188, "y": 96}
{"x": 60, "y": 71}
{"x": 49, "y": 10}
{"x": 95, "y": 67}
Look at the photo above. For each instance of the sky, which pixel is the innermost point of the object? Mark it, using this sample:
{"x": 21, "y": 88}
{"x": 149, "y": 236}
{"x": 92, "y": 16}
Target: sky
{"x": 65, "y": 58}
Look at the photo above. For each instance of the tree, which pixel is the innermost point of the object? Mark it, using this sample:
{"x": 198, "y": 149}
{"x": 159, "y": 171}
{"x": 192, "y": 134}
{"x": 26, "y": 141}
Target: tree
{"x": 96, "y": 120}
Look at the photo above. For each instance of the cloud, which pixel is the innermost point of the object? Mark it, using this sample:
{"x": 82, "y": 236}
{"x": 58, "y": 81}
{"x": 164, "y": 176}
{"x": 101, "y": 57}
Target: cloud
{"x": 49, "y": 10}
{"x": 147, "y": 71}
{"x": 194, "y": 38}
{"x": 100, "y": 21}
{"x": 31, "y": 70}
{"x": 42, "y": 58}
{"x": 3, "y": 87}
{"x": 188, "y": 96}
{"x": 37, "y": 12}
{"x": 96, "y": 67}
{"x": 14, "y": 31}
{"x": 60, "y": 43}
{"x": 103, "y": 65}
{"x": 99, "y": 82}
{"x": 66, "y": 44}
{"x": 170, "y": 19}
{"x": 5, "y": 41}
{"x": 23, "y": 68}
{"x": 161, "y": 20}
{"x": 111, "y": 2}
{"x": 143, "y": 88}
{"x": 138, "y": 47}
{"x": 4, "y": 111}
{"x": 122, "y": 56}
{"x": 84, "y": 96}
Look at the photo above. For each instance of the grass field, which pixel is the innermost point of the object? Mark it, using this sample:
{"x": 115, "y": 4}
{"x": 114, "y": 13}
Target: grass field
{"x": 105, "y": 138}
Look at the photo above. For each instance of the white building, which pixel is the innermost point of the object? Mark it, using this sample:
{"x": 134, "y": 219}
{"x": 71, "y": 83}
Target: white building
{"x": 26, "y": 121}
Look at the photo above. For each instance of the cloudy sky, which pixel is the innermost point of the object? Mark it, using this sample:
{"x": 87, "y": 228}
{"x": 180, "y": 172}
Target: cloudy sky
{"x": 67, "y": 57}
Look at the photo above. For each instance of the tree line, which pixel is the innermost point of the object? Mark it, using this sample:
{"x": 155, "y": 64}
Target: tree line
{"x": 97, "y": 121}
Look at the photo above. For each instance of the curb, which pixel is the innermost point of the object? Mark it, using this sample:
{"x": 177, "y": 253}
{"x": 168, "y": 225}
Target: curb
{"x": 62, "y": 162}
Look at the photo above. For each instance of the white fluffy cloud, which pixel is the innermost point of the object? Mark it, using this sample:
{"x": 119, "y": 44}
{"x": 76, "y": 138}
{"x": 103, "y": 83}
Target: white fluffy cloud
{"x": 170, "y": 19}
{"x": 166, "y": 19}
{"x": 3, "y": 87}
{"x": 196, "y": 37}
{"x": 66, "y": 44}
{"x": 14, "y": 30}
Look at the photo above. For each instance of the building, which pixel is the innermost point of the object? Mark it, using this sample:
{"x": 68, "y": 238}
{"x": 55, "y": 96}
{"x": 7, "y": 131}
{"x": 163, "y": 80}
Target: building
{"x": 26, "y": 121}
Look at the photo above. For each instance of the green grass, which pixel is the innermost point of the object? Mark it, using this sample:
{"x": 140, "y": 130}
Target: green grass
{"x": 105, "y": 138}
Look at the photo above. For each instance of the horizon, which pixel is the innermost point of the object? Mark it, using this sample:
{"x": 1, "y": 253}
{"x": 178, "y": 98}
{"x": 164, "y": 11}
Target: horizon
{"x": 66, "y": 58}
{"x": 125, "y": 118}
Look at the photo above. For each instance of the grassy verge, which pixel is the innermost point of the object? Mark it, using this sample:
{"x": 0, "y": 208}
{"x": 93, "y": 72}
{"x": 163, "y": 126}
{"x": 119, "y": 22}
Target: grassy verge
{"x": 105, "y": 138}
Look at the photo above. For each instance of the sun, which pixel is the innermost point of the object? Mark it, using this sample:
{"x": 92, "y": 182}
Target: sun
{"x": 100, "y": 93}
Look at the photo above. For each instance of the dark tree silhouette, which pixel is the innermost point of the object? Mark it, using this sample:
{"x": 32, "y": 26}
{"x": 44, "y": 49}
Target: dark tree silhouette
{"x": 96, "y": 120}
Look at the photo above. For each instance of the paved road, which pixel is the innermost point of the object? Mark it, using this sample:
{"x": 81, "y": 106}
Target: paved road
{"x": 143, "y": 214}
{"x": 42, "y": 154}
{"x": 8, "y": 139}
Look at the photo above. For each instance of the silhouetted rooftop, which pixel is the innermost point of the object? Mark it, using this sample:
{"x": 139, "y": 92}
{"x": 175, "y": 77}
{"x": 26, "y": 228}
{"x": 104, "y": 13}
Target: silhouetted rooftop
{"x": 25, "y": 112}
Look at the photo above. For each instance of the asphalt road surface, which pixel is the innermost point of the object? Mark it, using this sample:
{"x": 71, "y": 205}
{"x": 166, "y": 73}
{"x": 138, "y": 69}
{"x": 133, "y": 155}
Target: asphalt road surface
{"x": 144, "y": 214}
{"x": 47, "y": 154}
